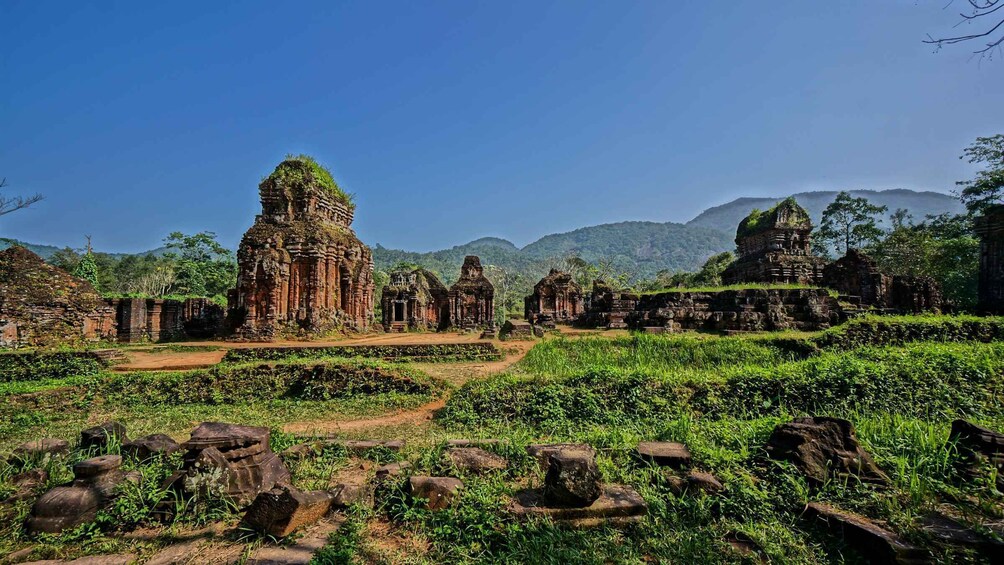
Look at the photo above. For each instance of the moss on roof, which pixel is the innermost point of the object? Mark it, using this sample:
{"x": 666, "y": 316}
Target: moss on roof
{"x": 301, "y": 171}
{"x": 786, "y": 213}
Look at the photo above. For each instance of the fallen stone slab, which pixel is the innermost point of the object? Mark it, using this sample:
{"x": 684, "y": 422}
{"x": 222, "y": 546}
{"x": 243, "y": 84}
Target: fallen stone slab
{"x": 617, "y": 505}
{"x": 818, "y": 446}
{"x": 664, "y": 453}
{"x": 695, "y": 481}
{"x": 345, "y": 495}
{"x": 878, "y": 545}
{"x": 572, "y": 479}
{"x": 475, "y": 460}
{"x": 438, "y": 492}
{"x": 300, "y": 553}
{"x": 39, "y": 449}
{"x": 282, "y": 510}
{"x": 99, "y": 436}
{"x": 147, "y": 447}
{"x": 976, "y": 446}
{"x": 947, "y": 532}
{"x": 542, "y": 452}
{"x": 392, "y": 471}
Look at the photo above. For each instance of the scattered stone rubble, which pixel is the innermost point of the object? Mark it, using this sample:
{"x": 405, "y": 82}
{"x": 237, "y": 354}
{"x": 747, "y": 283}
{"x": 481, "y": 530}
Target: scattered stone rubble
{"x": 235, "y": 459}
{"x": 573, "y": 493}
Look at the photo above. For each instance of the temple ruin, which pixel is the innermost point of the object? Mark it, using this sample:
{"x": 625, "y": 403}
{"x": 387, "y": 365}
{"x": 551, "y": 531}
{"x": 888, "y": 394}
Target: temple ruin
{"x": 556, "y": 298}
{"x": 301, "y": 267}
{"x": 416, "y": 300}
{"x": 861, "y": 284}
{"x": 472, "y": 297}
{"x": 42, "y": 305}
{"x": 990, "y": 229}
{"x": 774, "y": 247}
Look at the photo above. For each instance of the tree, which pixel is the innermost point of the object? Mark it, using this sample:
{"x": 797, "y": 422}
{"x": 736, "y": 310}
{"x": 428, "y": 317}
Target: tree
{"x": 203, "y": 267}
{"x": 982, "y": 13}
{"x": 710, "y": 273}
{"x": 10, "y": 204}
{"x": 849, "y": 222}
{"x": 987, "y": 188}
{"x": 509, "y": 290}
{"x": 942, "y": 247}
{"x": 87, "y": 269}
{"x": 66, "y": 259}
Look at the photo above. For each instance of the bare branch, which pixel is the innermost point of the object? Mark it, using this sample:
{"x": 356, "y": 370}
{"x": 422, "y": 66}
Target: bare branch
{"x": 980, "y": 9}
{"x": 10, "y": 204}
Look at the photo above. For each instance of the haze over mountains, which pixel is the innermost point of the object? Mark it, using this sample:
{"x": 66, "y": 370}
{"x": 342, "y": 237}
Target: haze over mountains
{"x": 642, "y": 248}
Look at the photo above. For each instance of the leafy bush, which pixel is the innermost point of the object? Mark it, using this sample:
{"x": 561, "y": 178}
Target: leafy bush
{"x": 38, "y": 366}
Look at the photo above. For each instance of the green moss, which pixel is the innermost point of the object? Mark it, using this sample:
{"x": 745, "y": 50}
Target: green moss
{"x": 304, "y": 170}
{"x": 758, "y": 220}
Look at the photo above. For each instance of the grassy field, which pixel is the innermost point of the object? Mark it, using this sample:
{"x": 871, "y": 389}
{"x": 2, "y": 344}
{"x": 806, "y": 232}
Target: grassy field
{"x": 900, "y": 380}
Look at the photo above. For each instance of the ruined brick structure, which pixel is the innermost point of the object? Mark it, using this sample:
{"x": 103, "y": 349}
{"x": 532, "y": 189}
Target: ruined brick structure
{"x": 556, "y": 298}
{"x": 154, "y": 319}
{"x": 415, "y": 299}
{"x": 301, "y": 267}
{"x": 990, "y": 229}
{"x": 753, "y": 309}
{"x": 42, "y": 305}
{"x": 857, "y": 278}
{"x": 774, "y": 247}
{"x": 607, "y": 308}
{"x": 472, "y": 297}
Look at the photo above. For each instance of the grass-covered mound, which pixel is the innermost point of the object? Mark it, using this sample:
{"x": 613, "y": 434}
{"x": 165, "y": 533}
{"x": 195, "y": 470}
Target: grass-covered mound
{"x": 305, "y": 380}
{"x": 431, "y": 352}
{"x": 42, "y": 365}
{"x": 924, "y": 380}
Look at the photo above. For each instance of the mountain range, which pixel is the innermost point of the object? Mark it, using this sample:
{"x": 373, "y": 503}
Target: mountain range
{"x": 642, "y": 248}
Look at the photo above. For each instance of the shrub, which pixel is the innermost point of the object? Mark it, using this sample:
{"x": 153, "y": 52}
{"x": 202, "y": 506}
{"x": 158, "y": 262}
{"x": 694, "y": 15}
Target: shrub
{"x": 38, "y": 366}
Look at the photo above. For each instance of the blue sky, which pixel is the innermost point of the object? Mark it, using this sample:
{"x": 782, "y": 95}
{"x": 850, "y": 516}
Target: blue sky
{"x": 453, "y": 120}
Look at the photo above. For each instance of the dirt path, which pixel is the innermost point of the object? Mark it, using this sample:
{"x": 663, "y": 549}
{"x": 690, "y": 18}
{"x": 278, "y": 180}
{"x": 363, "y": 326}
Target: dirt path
{"x": 454, "y": 373}
{"x": 160, "y": 358}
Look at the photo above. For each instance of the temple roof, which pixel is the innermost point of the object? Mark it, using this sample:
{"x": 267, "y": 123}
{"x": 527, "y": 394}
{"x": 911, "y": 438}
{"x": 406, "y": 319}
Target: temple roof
{"x": 786, "y": 214}
{"x": 301, "y": 173}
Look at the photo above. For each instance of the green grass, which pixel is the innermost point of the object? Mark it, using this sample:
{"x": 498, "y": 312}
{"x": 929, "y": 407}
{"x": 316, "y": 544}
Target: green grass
{"x": 900, "y": 380}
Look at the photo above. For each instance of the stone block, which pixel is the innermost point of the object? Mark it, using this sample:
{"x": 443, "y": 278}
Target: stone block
{"x": 878, "y": 545}
{"x": 664, "y": 453}
{"x": 617, "y": 505}
{"x": 282, "y": 510}
{"x": 150, "y": 446}
{"x": 438, "y": 492}
{"x": 39, "y": 449}
{"x": 345, "y": 495}
{"x": 572, "y": 479}
{"x": 475, "y": 460}
{"x": 99, "y": 436}
{"x": 818, "y": 446}
{"x": 542, "y": 452}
